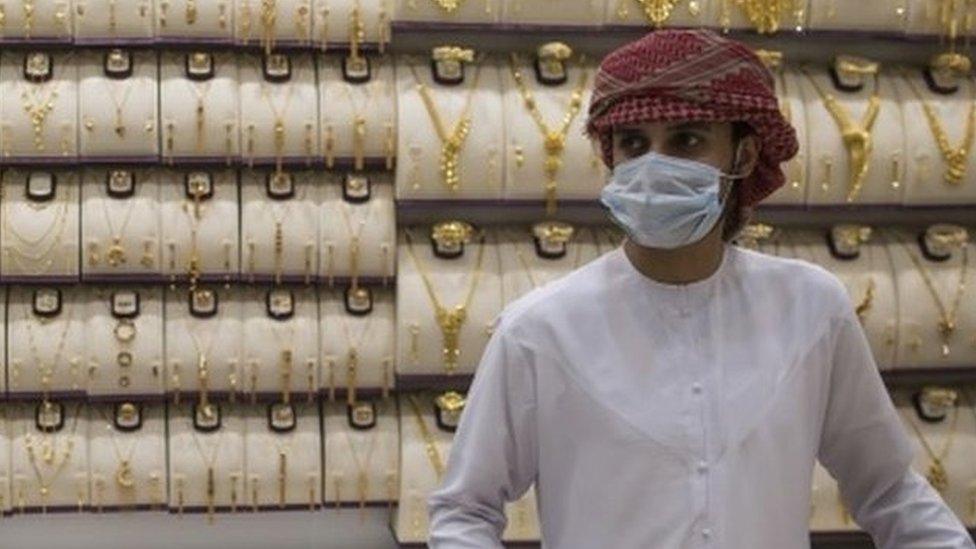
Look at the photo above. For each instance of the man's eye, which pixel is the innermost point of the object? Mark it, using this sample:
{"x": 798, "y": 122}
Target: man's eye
{"x": 633, "y": 143}
{"x": 687, "y": 141}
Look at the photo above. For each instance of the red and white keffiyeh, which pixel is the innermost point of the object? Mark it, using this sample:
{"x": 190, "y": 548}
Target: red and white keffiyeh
{"x": 671, "y": 75}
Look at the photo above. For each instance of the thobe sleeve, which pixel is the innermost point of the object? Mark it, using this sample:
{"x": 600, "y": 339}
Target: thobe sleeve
{"x": 493, "y": 457}
{"x": 865, "y": 447}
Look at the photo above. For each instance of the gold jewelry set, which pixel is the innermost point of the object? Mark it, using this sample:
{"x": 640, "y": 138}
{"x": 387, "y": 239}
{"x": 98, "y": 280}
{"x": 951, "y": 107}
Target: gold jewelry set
{"x": 36, "y": 255}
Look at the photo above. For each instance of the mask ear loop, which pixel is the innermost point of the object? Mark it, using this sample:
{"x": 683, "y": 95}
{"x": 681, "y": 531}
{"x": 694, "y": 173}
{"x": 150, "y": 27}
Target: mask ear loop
{"x": 732, "y": 177}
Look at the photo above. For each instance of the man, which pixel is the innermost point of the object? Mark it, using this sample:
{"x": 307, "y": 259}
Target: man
{"x": 676, "y": 391}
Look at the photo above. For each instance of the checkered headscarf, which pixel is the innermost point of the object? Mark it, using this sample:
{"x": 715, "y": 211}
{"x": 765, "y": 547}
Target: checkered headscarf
{"x": 671, "y": 75}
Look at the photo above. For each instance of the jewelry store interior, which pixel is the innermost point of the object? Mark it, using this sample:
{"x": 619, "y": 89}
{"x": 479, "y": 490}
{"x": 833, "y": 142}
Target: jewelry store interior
{"x": 252, "y": 249}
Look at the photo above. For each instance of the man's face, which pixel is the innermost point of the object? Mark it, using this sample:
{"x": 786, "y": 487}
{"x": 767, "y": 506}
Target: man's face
{"x": 706, "y": 142}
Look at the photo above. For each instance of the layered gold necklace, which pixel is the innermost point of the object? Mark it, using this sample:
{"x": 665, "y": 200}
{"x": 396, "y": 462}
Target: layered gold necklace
{"x": 49, "y": 456}
{"x": 553, "y": 138}
{"x": 452, "y": 141}
{"x": 856, "y": 135}
{"x": 956, "y": 158}
{"x": 449, "y": 320}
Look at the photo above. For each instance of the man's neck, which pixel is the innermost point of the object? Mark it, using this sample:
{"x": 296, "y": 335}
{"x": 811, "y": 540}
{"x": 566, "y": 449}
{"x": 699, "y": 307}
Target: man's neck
{"x": 683, "y": 265}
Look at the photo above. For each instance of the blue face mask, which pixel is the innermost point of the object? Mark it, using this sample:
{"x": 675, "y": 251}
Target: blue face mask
{"x": 664, "y": 202}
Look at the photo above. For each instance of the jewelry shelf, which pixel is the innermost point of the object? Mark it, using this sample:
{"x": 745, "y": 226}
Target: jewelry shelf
{"x": 370, "y": 163}
{"x": 421, "y": 36}
{"x": 591, "y": 212}
{"x": 176, "y": 43}
{"x": 264, "y": 281}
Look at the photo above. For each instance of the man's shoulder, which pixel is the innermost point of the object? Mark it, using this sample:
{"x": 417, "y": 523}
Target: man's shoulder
{"x": 792, "y": 278}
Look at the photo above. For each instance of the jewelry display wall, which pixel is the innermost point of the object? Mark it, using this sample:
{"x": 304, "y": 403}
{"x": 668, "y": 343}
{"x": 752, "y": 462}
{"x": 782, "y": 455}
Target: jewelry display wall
{"x": 356, "y": 22}
{"x": 361, "y": 453}
{"x": 125, "y": 125}
{"x": 281, "y": 344}
{"x": 207, "y": 458}
{"x": 41, "y": 20}
{"x": 358, "y": 220}
{"x": 40, "y": 218}
{"x": 358, "y": 336}
{"x": 98, "y": 21}
{"x": 358, "y": 105}
{"x": 452, "y": 150}
{"x": 279, "y": 118}
{"x": 124, "y": 340}
{"x": 445, "y": 307}
{"x": 38, "y": 106}
{"x": 49, "y": 456}
{"x": 279, "y": 225}
{"x": 45, "y": 342}
{"x": 284, "y": 455}
{"x": 204, "y": 343}
{"x": 766, "y": 17}
{"x": 199, "y": 106}
{"x": 179, "y": 21}
{"x": 127, "y": 449}
{"x": 939, "y": 17}
{"x": 120, "y": 223}
{"x": 199, "y": 210}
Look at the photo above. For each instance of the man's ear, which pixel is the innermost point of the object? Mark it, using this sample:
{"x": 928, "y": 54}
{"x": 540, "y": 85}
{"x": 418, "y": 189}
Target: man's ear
{"x": 748, "y": 154}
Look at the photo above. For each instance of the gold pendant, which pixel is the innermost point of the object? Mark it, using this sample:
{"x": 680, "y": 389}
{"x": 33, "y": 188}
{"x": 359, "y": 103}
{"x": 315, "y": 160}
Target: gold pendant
{"x": 116, "y": 253}
{"x": 937, "y": 476}
{"x": 450, "y": 323}
{"x": 946, "y": 328}
{"x": 123, "y": 475}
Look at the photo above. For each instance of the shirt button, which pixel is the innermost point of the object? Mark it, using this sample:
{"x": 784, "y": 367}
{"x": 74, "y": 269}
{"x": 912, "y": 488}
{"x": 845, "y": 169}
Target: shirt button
{"x": 702, "y": 466}
{"x": 706, "y": 532}
{"x": 696, "y": 388}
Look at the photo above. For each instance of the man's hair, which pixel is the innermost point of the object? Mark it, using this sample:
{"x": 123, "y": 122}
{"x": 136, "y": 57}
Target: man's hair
{"x": 736, "y": 217}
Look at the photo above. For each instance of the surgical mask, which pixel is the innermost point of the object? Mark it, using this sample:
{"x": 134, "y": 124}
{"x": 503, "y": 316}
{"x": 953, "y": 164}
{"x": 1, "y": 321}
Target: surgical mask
{"x": 665, "y": 202}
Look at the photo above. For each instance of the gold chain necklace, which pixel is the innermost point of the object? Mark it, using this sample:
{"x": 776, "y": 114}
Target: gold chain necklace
{"x": 528, "y": 270}
{"x": 116, "y": 252}
{"x": 362, "y": 464}
{"x": 450, "y": 321}
{"x": 124, "y": 475}
{"x": 937, "y": 475}
{"x": 37, "y": 108}
{"x": 269, "y": 20}
{"x": 765, "y": 15}
{"x": 855, "y": 135}
{"x": 359, "y": 120}
{"x": 955, "y": 158}
{"x": 947, "y": 315}
{"x": 279, "y": 119}
{"x": 553, "y": 139}
{"x": 355, "y": 236}
{"x": 352, "y": 356}
{"x": 211, "y": 486}
{"x": 286, "y": 355}
{"x": 451, "y": 142}
{"x": 203, "y": 356}
{"x": 48, "y": 457}
{"x": 430, "y": 444}
{"x": 47, "y": 367}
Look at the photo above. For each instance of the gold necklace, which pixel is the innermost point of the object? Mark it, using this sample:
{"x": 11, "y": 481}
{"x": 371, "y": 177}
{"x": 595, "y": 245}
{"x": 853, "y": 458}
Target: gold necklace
{"x": 203, "y": 357}
{"x": 937, "y": 475}
{"x": 119, "y": 104}
{"x": 855, "y": 135}
{"x": 48, "y": 457}
{"x": 528, "y": 270}
{"x": 211, "y": 486}
{"x": 947, "y": 315}
{"x": 450, "y": 321}
{"x": 269, "y": 20}
{"x": 352, "y": 356}
{"x": 200, "y": 90}
{"x": 47, "y": 367}
{"x": 116, "y": 251}
{"x": 355, "y": 236}
{"x": 430, "y": 444}
{"x": 37, "y": 108}
{"x": 286, "y": 356}
{"x": 362, "y": 465}
{"x": 359, "y": 128}
{"x": 282, "y": 450}
{"x": 765, "y": 15}
{"x": 124, "y": 475}
{"x": 553, "y": 139}
{"x": 279, "y": 120}
{"x": 955, "y": 158}
{"x": 32, "y": 251}
{"x": 451, "y": 142}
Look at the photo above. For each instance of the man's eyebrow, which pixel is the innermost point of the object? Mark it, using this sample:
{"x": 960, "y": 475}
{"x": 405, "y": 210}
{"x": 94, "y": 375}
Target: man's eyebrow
{"x": 692, "y": 125}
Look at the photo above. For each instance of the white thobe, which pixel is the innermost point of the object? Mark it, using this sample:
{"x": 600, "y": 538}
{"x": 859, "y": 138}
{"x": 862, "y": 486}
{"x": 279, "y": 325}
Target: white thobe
{"x": 652, "y": 415}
